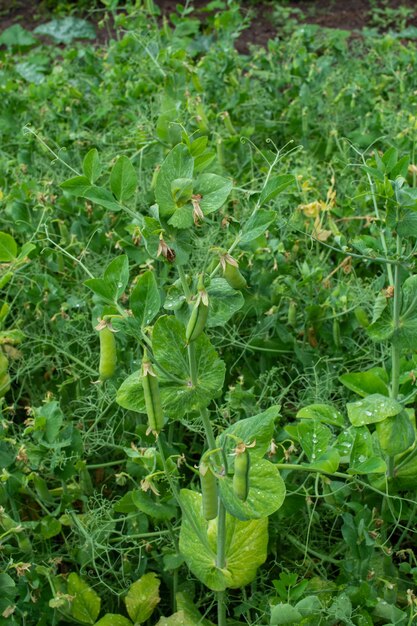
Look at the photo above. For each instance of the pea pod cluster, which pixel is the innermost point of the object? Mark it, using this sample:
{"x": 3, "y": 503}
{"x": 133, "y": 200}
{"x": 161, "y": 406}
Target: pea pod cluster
{"x": 152, "y": 396}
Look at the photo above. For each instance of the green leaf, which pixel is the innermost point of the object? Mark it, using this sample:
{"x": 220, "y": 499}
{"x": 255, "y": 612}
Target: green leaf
{"x": 363, "y": 459}
{"x": 91, "y": 165}
{"x": 16, "y": 36}
{"x": 116, "y": 275}
{"x": 123, "y": 179}
{"x": 178, "y": 164}
{"x": 143, "y": 597}
{"x": 224, "y": 301}
{"x": 367, "y": 383}
{"x": 179, "y": 618}
{"x": 145, "y": 300}
{"x": 372, "y": 409}
{"x": 85, "y": 606}
{"x": 67, "y": 29}
{"x": 186, "y": 604}
{"x": 327, "y": 462}
{"x": 110, "y": 619}
{"x": 103, "y": 197}
{"x": 214, "y": 191}
{"x": 325, "y": 413}
{"x": 405, "y": 336}
{"x": 259, "y": 428}
{"x": 407, "y": 224}
{"x": 101, "y": 289}
{"x": 275, "y": 186}
{"x": 396, "y": 434}
{"x": 50, "y": 527}
{"x": 245, "y": 549}
{"x": 8, "y": 248}
{"x": 31, "y": 72}
{"x": 76, "y": 186}
{"x": 169, "y": 346}
{"x": 266, "y": 492}
{"x": 284, "y": 614}
{"x": 256, "y": 225}
{"x": 314, "y": 438}
{"x": 49, "y": 418}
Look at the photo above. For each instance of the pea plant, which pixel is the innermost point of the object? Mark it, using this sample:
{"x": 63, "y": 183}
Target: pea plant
{"x": 172, "y": 308}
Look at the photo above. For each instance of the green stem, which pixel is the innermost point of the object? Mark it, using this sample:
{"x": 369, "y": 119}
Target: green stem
{"x": 221, "y": 561}
{"x": 395, "y": 349}
{"x": 319, "y": 555}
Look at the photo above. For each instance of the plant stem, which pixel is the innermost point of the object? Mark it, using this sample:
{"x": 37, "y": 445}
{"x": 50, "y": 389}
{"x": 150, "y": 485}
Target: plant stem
{"x": 395, "y": 348}
{"x": 220, "y": 562}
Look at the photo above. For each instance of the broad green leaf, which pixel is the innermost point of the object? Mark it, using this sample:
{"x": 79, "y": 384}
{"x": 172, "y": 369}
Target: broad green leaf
{"x": 389, "y": 159}
{"x": 366, "y": 383}
{"x": 50, "y": 527}
{"x": 224, "y": 301}
{"x": 214, "y": 191}
{"x": 7, "y": 585}
{"x": 8, "y": 248}
{"x": 169, "y": 345}
{"x": 116, "y": 275}
{"x": 66, "y": 29}
{"x": 396, "y": 434}
{"x": 85, "y": 606}
{"x": 16, "y": 36}
{"x": 49, "y": 418}
{"x": 178, "y": 164}
{"x": 327, "y": 462}
{"x": 372, "y": 409}
{"x": 325, "y": 413}
{"x": 259, "y": 428}
{"x": 179, "y": 618}
{"x": 266, "y": 492}
{"x": 284, "y": 614}
{"x": 103, "y": 197}
{"x": 314, "y": 438}
{"x": 256, "y": 225}
{"x": 31, "y": 72}
{"x": 145, "y": 300}
{"x": 77, "y": 186}
{"x": 123, "y": 179}
{"x": 245, "y": 549}
{"x": 101, "y": 289}
{"x": 143, "y": 597}
{"x": 275, "y": 186}
{"x": 182, "y": 217}
{"x": 406, "y": 475}
{"x": 111, "y": 619}
{"x": 363, "y": 459}
{"x": 407, "y": 224}
{"x": 186, "y": 604}
{"x": 309, "y": 606}
{"x": 91, "y": 165}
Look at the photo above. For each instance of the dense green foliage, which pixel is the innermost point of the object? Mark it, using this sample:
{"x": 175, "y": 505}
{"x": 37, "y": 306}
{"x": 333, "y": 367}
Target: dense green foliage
{"x": 237, "y": 234}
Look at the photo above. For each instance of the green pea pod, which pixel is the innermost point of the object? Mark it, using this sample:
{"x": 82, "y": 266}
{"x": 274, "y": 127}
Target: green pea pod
{"x": 108, "y": 354}
{"x": 209, "y": 491}
{"x": 241, "y": 475}
{"x": 4, "y": 363}
{"x": 5, "y": 279}
{"x": 198, "y": 318}
{"x": 232, "y": 274}
{"x": 152, "y": 396}
{"x": 292, "y": 314}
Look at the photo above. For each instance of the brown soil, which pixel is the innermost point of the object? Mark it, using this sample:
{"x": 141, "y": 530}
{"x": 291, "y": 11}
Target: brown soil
{"x": 350, "y": 15}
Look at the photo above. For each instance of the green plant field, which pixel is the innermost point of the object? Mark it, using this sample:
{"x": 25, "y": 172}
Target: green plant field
{"x": 208, "y": 320}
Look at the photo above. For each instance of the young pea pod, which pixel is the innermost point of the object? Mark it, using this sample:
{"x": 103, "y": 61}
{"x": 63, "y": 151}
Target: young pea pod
{"x": 152, "y": 396}
{"x": 362, "y": 317}
{"x": 336, "y": 333}
{"x": 231, "y": 272}
{"x": 108, "y": 353}
{"x": 198, "y": 317}
{"x": 209, "y": 490}
{"x": 241, "y": 475}
{"x": 292, "y": 314}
